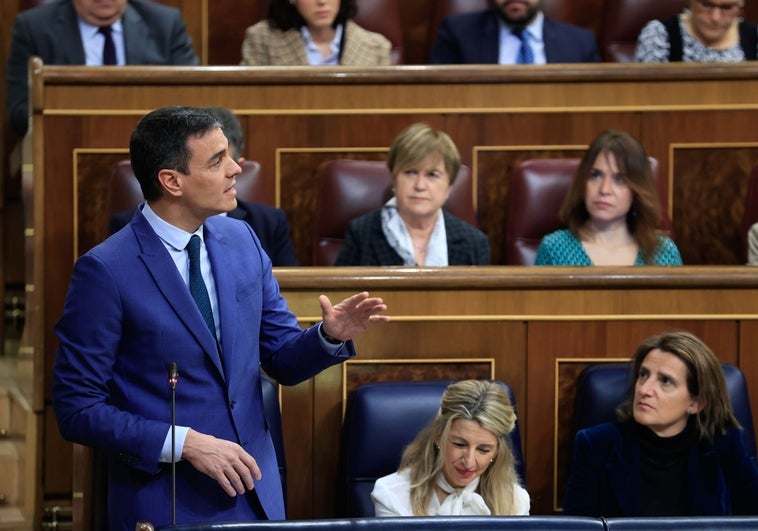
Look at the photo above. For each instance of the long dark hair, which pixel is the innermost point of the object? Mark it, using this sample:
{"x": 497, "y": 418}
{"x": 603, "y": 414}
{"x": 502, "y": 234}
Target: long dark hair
{"x": 645, "y": 213}
{"x": 283, "y": 15}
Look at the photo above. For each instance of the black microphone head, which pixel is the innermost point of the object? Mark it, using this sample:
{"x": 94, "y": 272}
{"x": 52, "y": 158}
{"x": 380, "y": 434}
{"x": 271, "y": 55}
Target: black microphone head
{"x": 173, "y": 373}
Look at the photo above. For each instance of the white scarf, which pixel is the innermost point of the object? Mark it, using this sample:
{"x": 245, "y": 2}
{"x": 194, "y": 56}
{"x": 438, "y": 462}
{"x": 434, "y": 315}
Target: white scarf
{"x": 397, "y": 236}
{"x": 465, "y": 501}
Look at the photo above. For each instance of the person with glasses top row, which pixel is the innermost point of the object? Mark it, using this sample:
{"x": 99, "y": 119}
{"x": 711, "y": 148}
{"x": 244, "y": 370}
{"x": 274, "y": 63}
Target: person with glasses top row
{"x": 709, "y": 31}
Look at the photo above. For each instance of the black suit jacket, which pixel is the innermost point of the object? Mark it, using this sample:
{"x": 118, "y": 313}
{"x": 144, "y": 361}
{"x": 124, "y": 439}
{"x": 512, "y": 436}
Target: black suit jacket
{"x": 474, "y": 38}
{"x": 154, "y": 34}
{"x": 365, "y": 244}
{"x": 269, "y": 223}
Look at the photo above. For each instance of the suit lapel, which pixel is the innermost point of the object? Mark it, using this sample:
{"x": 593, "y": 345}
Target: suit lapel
{"x": 136, "y": 37}
{"x": 217, "y": 244}
{"x": 169, "y": 282}
{"x": 623, "y": 476}
{"x": 66, "y": 30}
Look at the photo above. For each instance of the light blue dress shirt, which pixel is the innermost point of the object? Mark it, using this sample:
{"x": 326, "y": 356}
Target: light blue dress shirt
{"x": 510, "y": 44}
{"x": 93, "y": 40}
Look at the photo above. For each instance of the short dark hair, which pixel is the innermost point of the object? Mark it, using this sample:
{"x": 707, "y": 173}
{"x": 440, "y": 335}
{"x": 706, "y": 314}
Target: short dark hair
{"x": 160, "y": 142}
{"x": 283, "y": 15}
{"x": 232, "y": 129}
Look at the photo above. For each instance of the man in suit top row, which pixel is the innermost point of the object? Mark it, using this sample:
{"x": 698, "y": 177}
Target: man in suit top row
{"x": 496, "y": 36}
{"x": 270, "y": 224}
{"x": 182, "y": 285}
{"x": 67, "y": 32}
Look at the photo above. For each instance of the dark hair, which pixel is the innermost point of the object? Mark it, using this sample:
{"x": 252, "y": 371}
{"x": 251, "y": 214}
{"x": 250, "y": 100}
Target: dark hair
{"x": 283, "y": 15}
{"x": 705, "y": 380}
{"x": 160, "y": 142}
{"x": 232, "y": 129}
{"x": 645, "y": 213}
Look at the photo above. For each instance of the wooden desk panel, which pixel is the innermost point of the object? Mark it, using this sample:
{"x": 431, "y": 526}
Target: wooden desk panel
{"x": 297, "y": 118}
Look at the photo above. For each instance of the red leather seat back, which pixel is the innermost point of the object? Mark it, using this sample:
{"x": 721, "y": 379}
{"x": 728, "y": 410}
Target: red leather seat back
{"x": 538, "y": 188}
{"x": 350, "y": 188}
{"x": 622, "y": 21}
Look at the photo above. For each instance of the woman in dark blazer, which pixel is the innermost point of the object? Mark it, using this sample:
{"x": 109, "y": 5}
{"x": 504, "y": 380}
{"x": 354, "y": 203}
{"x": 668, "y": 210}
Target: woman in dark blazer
{"x": 411, "y": 228}
{"x": 677, "y": 449}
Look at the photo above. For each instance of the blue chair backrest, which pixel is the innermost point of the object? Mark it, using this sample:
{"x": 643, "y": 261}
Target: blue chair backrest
{"x": 381, "y": 419}
{"x": 602, "y": 387}
{"x": 272, "y": 411}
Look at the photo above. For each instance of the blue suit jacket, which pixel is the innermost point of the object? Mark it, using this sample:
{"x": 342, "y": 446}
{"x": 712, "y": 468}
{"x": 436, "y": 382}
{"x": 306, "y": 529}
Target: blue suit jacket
{"x": 474, "y": 38}
{"x": 722, "y": 479}
{"x": 269, "y": 223}
{"x": 128, "y": 315}
{"x": 154, "y": 34}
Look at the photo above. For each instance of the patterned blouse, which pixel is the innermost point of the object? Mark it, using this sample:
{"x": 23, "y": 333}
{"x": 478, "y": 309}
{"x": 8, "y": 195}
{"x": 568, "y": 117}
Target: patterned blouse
{"x": 653, "y": 47}
{"x": 562, "y": 248}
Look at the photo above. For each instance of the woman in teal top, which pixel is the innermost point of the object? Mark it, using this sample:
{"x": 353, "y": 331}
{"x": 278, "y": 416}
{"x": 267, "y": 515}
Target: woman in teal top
{"x": 611, "y": 211}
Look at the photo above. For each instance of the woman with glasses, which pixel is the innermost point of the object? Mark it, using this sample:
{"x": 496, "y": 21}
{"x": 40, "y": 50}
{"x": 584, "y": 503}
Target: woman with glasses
{"x": 709, "y": 31}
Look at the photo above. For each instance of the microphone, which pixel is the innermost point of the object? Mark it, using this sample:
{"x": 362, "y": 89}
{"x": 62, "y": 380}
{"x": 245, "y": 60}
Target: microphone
{"x": 173, "y": 377}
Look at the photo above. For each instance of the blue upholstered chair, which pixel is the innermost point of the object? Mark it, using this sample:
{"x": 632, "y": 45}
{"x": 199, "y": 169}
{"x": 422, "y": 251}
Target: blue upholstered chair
{"x": 380, "y": 420}
{"x": 442, "y": 523}
{"x": 682, "y": 523}
{"x": 272, "y": 411}
{"x": 604, "y": 386}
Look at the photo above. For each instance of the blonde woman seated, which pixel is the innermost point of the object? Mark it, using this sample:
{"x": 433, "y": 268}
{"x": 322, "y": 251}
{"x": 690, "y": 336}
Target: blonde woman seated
{"x": 313, "y": 32}
{"x": 461, "y": 463}
{"x": 611, "y": 211}
{"x": 709, "y": 31}
{"x": 412, "y": 228}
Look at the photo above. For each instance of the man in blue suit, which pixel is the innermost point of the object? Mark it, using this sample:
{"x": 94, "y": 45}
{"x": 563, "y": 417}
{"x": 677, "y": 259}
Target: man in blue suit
{"x": 66, "y": 32}
{"x": 129, "y": 315}
{"x": 496, "y": 36}
{"x": 270, "y": 223}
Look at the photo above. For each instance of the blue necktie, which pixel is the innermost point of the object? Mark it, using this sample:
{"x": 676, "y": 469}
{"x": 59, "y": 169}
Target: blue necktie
{"x": 525, "y": 54}
{"x": 109, "y": 49}
{"x": 197, "y": 285}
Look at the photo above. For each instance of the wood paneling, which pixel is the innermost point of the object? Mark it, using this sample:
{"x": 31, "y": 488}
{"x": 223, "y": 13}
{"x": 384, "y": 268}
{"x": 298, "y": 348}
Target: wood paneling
{"x": 521, "y": 318}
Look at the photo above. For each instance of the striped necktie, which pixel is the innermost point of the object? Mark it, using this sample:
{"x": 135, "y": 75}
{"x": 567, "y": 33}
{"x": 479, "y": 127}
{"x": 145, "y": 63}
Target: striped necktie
{"x": 525, "y": 54}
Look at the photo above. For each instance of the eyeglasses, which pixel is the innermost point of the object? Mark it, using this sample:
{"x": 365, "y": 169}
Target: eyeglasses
{"x": 725, "y": 8}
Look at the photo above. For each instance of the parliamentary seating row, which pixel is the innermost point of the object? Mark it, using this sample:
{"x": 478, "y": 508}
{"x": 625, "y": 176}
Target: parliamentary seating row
{"x": 349, "y": 188}
{"x": 411, "y": 27}
{"x": 542, "y": 523}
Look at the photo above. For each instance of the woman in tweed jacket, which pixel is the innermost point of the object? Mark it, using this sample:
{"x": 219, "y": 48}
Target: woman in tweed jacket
{"x": 411, "y": 228}
{"x": 313, "y": 32}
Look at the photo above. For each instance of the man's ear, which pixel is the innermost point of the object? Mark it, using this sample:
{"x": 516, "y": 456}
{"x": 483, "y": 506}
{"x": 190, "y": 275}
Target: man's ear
{"x": 170, "y": 181}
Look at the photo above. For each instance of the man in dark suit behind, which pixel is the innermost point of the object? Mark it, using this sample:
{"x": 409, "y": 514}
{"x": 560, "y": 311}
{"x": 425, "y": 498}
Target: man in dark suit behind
{"x": 270, "y": 224}
{"x": 492, "y": 37}
{"x": 66, "y": 32}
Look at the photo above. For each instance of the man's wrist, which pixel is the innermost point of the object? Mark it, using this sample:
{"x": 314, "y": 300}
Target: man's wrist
{"x": 329, "y": 339}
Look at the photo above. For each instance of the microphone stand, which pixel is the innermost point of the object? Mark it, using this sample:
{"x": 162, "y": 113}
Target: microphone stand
{"x": 173, "y": 377}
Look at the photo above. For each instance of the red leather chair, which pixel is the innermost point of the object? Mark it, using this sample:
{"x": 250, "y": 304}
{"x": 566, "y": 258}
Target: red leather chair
{"x": 751, "y": 209}
{"x": 351, "y": 188}
{"x": 125, "y": 192}
{"x": 622, "y": 21}
{"x": 538, "y": 187}
{"x": 383, "y": 16}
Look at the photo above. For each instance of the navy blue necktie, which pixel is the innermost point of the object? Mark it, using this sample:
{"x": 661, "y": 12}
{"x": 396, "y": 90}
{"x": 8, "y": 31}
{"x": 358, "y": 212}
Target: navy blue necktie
{"x": 109, "y": 49}
{"x": 197, "y": 285}
{"x": 525, "y": 54}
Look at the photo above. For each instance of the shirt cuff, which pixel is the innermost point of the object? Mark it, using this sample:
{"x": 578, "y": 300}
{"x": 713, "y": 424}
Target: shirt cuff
{"x": 179, "y": 437}
{"x": 330, "y": 346}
